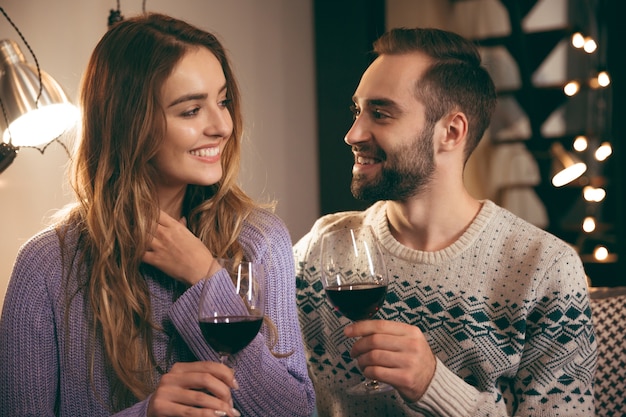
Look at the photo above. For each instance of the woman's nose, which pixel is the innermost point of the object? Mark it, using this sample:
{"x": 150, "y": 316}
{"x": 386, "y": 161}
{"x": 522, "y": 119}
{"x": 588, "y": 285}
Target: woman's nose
{"x": 219, "y": 123}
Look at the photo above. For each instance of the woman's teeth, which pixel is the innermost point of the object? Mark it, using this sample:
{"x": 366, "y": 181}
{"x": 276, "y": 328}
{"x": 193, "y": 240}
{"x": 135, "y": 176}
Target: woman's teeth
{"x": 204, "y": 152}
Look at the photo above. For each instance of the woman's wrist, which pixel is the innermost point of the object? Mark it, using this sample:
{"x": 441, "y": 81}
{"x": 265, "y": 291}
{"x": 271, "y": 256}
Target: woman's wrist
{"x": 213, "y": 268}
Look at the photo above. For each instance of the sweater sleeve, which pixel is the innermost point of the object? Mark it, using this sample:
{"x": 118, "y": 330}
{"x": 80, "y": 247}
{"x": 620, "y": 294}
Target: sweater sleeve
{"x": 28, "y": 352}
{"x": 269, "y": 384}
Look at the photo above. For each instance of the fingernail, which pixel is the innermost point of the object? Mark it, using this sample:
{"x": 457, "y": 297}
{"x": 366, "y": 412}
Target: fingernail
{"x": 235, "y": 384}
{"x": 236, "y": 413}
{"x": 220, "y": 413}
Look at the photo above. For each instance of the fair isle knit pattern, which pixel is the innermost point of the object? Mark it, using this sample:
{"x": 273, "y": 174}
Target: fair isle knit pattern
{"x": 45, "y": 368}
{"x": 505, "y": 309}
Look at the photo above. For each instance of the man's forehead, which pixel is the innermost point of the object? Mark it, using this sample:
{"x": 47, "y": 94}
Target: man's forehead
{"x": 412, "y": 64}
{"x": 392, "y": 77}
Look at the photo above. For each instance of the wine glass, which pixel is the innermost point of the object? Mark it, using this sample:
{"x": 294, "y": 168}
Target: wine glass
{"x": 355, "y": 281}
{"x": 230, "y": 314}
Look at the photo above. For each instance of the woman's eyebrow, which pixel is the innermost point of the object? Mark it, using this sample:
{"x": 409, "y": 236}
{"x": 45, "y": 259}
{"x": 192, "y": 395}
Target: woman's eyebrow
{"x": 188, "y": 97}
{"x": 193, "y": 96}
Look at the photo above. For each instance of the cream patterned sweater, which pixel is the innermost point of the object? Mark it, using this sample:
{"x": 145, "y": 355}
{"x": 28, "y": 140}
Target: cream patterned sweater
{"x": 505, "y": 310}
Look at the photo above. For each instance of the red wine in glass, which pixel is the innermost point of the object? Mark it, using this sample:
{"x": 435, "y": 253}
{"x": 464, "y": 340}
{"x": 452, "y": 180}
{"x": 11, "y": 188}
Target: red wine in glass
{"x": 357, "y": 301}
{"x": 228, "y": 335}
{"x": 230, "y": 321}
{"x": 355, "y": 281}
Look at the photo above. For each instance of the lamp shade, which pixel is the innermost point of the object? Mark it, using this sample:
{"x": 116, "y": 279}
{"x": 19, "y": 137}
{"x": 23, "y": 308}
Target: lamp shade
{"x": 29, "y": 120}
{"x": 566, "y": 167}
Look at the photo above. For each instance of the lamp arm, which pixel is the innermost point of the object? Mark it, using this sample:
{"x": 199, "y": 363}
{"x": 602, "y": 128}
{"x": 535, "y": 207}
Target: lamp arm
{"x": 42, "y": 150}
{"x": 8, "y": 150}
{"x": 29, "y": 50}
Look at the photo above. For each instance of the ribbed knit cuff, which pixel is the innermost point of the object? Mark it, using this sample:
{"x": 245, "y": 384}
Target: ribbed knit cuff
{"x": 447, "y": 395}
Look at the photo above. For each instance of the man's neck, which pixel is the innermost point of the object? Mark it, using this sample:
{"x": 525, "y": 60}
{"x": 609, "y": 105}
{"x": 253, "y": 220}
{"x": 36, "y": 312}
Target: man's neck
{"x": 429, "y": 223}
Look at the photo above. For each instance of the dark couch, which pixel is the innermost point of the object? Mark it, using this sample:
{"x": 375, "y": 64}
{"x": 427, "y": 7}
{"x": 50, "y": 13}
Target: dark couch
{"x": 608, "y": 307}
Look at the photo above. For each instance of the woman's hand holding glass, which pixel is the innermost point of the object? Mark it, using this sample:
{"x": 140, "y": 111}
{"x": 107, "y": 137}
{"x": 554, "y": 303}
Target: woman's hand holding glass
{"x": 193, "y": 387}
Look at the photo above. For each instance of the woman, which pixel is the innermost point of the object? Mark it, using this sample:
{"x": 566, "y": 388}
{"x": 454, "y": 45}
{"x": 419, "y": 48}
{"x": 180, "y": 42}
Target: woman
{"x": 101, "y": 312}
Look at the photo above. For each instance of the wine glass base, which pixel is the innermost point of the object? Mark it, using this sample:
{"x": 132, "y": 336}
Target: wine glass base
{"x": 369, "y": 387}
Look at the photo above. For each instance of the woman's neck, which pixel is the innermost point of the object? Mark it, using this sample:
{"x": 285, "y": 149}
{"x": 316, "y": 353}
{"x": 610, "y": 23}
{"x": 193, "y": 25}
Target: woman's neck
{"x": 171, "y": 201}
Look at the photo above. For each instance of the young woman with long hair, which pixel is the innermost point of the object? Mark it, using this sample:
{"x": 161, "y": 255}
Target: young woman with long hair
{"x": 100, "y": 316}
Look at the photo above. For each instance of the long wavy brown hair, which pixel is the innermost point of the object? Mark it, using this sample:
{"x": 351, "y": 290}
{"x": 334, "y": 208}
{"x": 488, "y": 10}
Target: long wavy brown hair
{"x": 123, "y": 124}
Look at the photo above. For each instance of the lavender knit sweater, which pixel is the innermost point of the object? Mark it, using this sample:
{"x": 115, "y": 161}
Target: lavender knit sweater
{"x": 44, "y": 369}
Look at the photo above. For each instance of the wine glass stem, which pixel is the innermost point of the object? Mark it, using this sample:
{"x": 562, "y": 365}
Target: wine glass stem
{"x": 223, "y": 359}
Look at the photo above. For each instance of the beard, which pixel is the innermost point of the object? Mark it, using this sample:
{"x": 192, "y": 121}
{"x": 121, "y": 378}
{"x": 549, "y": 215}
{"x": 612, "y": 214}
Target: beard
{"x": 406, "y": 170}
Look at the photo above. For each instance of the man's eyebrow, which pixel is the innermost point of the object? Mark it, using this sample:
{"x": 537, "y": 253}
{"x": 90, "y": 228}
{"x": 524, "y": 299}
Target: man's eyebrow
{"x": 381, "y": 102}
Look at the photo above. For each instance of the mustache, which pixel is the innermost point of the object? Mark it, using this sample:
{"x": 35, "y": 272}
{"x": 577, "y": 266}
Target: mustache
{"x": 369, "y": 152}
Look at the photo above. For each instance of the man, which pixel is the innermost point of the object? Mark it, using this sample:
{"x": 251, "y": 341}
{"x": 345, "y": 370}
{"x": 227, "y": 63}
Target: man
{"x": 486, "y": 314}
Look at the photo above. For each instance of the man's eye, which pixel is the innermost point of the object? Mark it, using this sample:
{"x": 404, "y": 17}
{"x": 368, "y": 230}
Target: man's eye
{"x": 355, "y": 111}
{"x": 378, "y": 115}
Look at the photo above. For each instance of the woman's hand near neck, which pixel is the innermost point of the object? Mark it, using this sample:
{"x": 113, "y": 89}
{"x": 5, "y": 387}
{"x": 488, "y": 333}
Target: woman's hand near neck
{"x": 174, "y": 249}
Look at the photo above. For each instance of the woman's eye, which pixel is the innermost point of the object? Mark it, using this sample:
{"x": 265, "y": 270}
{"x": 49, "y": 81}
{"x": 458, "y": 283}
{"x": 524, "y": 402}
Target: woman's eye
{"x": 191, "y": 112}
{"x": 225, "y": 102}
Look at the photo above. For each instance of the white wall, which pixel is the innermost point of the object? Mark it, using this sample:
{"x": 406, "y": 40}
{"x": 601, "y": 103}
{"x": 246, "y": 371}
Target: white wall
{"x": 271, "y": 46}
